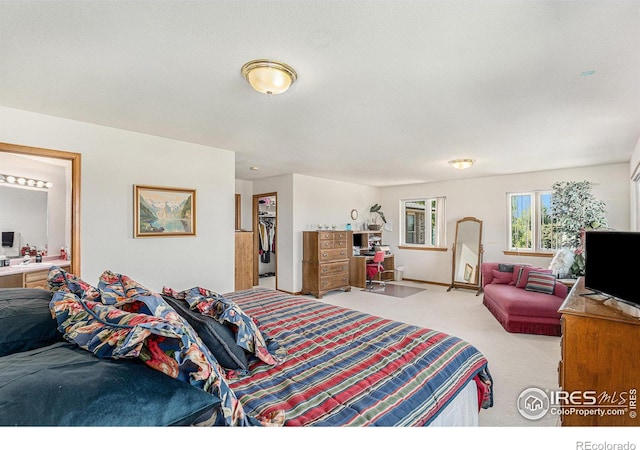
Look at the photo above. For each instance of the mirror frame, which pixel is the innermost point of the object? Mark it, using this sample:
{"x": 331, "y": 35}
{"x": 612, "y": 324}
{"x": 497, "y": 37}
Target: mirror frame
{"x": 477, "y": 284}
{"x": 75, "y": 160}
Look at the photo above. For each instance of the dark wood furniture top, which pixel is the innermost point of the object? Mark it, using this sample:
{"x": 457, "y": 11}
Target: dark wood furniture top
{"x": 600, "y": 357}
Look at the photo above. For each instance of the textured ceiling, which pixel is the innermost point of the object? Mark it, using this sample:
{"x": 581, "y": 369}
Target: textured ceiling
{"x": 387, "y": 91}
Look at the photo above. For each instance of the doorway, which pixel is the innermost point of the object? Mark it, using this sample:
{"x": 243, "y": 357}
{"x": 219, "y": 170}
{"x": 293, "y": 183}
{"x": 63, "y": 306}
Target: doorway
{"x": 265, "y": 240}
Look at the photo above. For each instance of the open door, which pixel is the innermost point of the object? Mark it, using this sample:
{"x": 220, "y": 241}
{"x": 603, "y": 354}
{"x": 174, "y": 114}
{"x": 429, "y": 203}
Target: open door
{"x": 265, "y": 226}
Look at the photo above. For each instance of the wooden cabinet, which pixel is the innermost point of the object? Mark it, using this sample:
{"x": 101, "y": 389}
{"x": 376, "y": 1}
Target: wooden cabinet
{"x": 325, "y": 261}
{"x": 600, "y": 354}
{"x": 33, "y": 279}
{"x": 244, "y": 260}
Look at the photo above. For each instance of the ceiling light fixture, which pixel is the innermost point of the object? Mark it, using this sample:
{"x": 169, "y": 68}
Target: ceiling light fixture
{"x": 11, "y": 180}
{"x": 269, "y": 77}
{"x": 461, "y": 163}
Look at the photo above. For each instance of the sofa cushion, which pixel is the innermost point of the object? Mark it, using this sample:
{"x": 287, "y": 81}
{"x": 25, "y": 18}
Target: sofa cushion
{"x": 520, "y": 302}
{"x": 524, "y": 275}
{"x": 506, "y": 268}
{"x": 540, "y": 282}
{"x": 517, "y": 270}
{"x": 501, "y": 277}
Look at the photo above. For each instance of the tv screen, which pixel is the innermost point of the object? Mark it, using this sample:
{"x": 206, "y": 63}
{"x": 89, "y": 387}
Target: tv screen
{"x": 603, "y": 272}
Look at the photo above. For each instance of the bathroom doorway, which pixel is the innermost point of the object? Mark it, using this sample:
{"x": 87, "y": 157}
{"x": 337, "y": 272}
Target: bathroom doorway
{"x": 265, "y": 240}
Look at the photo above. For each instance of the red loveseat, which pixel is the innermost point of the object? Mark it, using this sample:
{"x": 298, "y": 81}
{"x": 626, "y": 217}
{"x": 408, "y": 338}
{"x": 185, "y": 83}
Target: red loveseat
{"x": 525, "y": 300}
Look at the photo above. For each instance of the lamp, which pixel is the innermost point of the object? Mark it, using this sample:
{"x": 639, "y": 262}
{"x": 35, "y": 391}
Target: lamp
{"x": 269, "y": 77}
{"x": 461, "y": 163}
{"x": 12, "y": 180}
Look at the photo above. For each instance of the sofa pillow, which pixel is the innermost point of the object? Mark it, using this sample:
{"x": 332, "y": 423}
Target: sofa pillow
{"x": 79, "y": 389}
{"x": 218, "y": 337}
{"x": 25, "y": 320}
{"x": 524, "y": 275}
{"x": 500, "y": 277}
{"x": 505, "y": 268}
{"x": 541, "y": 282}
{"x": 517, "y": 271}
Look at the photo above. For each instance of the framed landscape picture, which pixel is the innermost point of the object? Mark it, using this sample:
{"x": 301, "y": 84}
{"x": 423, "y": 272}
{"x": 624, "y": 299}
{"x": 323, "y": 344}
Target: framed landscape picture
{"x": 163, "y": 211}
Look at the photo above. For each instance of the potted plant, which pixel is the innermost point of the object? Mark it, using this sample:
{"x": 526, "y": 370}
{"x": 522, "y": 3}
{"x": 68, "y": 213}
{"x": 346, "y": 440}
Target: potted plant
{"x": 575, "y": 209}
{"x": 377, "y": 215}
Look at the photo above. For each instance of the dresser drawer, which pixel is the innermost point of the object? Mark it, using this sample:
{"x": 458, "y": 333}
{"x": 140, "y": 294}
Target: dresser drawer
{"x": 334, "y": 281}
{"x": 36, "y": 280}
{"x": 335, "y": 254}
{"x": 333, "y": 244}
{"x": 334, "y": 268}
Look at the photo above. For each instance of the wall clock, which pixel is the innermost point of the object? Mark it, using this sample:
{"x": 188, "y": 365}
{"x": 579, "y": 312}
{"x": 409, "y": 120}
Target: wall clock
{"x": 354, "y": 214}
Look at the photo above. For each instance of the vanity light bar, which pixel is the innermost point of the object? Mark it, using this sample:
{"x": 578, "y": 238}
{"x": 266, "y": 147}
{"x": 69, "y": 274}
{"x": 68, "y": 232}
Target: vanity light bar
{"x": 22, "y": 181}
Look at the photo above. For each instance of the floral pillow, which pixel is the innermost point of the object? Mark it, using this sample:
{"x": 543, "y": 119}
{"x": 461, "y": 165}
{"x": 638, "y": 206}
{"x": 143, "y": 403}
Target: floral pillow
{"x": 60, "y": 280}
{"x": 214, "y": 305}
{"x": 161, "y": 342}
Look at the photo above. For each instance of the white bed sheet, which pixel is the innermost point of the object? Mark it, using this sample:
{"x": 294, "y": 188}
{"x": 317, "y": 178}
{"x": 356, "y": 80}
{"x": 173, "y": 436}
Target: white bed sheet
{"x": 462, "y": 411}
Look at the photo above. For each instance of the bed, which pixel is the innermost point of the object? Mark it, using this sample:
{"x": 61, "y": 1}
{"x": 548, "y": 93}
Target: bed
{"x": 262, "y": 357}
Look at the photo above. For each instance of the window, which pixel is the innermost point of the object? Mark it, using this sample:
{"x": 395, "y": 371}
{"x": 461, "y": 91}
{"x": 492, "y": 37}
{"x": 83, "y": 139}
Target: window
{"x": 423, "y": 222}
{"x": 530, "y": 225}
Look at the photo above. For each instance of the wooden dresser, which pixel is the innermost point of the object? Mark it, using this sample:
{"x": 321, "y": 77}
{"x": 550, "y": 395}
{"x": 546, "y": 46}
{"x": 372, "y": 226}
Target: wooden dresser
{"x": 325, "y": 261}
{"x": 244, "y": 260}
{"x": 600, "y": 353}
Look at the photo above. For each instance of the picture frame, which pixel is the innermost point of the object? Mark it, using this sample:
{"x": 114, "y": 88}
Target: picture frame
{"x": 468, "y": 270}
{"x": 164, "y": 211}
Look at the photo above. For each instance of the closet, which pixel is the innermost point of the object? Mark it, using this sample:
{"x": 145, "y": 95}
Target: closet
{"x": 266, "y": 237}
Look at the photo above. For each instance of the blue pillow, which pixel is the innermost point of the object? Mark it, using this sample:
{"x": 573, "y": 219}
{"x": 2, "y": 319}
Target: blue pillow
{"x": 25, "y": 320}
{"x": 63, "y": 385}
{"x": 218, "y": 338}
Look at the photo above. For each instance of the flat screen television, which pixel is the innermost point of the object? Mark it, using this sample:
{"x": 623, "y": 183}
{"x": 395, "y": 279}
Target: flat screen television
{"x": 603, "y": 272}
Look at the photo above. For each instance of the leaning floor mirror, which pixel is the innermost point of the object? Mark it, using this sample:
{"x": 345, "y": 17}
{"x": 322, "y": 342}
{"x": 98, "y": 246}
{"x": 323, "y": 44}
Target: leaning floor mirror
{"x": 467, "y": 255}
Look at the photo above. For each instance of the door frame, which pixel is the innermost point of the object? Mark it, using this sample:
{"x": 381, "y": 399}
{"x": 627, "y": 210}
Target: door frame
{"x": 75, "y": 160}
{"x": 256, "y": 237}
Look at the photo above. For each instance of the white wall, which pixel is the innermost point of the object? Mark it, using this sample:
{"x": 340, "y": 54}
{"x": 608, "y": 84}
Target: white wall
{"x": 485, "y": 198}
{"x": 113, "y": 161}
{"x": 245, "y": 189}
{"x": 303, "y": 203}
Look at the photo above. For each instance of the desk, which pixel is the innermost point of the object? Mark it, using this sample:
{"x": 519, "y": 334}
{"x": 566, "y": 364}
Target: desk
{"x": 358, "y": 270}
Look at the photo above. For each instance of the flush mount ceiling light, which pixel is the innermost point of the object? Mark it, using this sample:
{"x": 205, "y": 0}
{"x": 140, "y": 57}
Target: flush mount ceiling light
{"x": 269, "y": 77}
{"x": 461, "y": 163}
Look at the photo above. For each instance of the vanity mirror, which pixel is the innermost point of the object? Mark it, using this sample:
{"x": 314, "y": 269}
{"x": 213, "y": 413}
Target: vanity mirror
{"x": 62, "y": 208}
{"x": 24, "y": 220}
{"x": 467, "y": 255}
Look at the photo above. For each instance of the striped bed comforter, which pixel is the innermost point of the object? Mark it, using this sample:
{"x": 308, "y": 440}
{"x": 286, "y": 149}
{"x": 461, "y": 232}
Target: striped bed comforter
{"x": 348, "y": 368}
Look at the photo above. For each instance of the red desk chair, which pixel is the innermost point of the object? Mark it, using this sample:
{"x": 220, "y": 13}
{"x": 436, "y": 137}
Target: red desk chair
{"x": 374, "y": 269}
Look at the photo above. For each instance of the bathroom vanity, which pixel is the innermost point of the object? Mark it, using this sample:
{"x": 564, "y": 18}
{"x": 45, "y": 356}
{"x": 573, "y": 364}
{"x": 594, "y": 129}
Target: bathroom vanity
{"x": 32, "y": 275}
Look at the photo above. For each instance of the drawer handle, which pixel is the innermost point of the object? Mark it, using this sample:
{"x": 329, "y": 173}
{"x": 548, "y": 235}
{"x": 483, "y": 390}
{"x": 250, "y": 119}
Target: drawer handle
{"x": 325, "y": 254}
{"x": 324, "y": 283}
{"x": 324, "y": 269}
